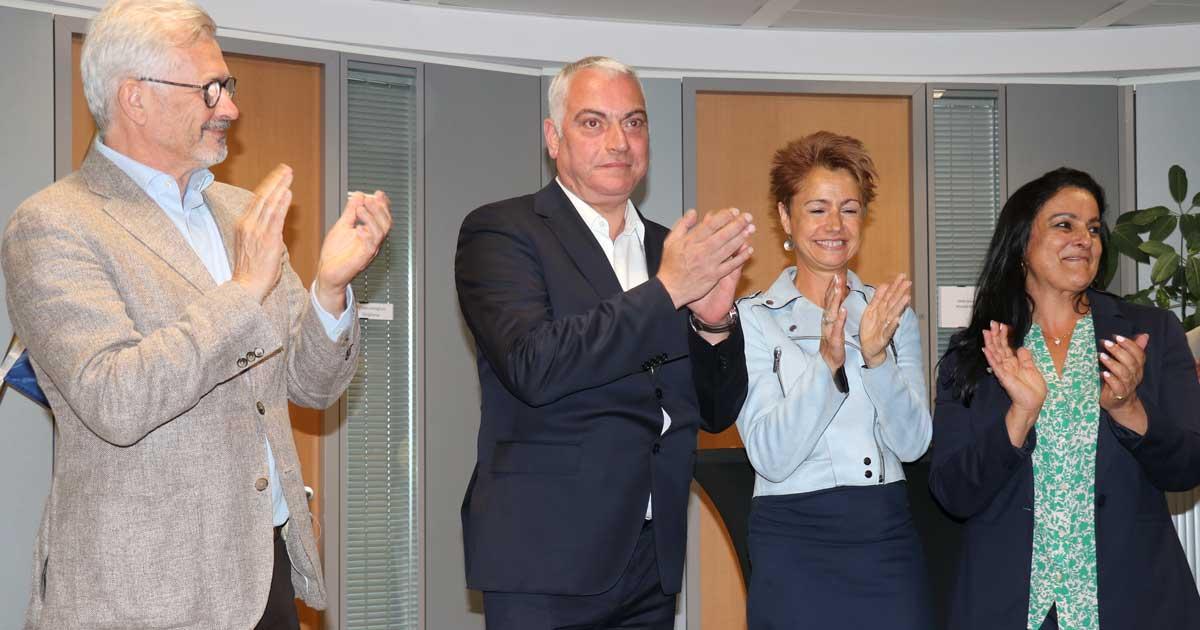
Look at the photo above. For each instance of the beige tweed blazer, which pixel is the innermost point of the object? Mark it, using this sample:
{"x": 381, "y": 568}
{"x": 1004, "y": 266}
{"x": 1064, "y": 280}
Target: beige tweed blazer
{"x": 162, "y": 385}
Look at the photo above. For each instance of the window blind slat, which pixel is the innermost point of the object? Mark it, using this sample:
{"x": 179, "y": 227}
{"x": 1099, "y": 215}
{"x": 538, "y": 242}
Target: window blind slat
{"x": 966, "y": 189}
{"x": 381, "y": 545}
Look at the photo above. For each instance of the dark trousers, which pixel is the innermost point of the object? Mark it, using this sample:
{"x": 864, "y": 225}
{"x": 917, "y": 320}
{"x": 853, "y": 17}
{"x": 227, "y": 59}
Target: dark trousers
{"x": 281, "y": 602}
{"x": 636, "y": 601}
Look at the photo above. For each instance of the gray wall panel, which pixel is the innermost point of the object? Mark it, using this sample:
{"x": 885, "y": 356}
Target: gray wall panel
{"x": 660, "y": 195}
{"x": 473, "y": 156}
{"x": 1064, "y": 125}
{"x": 26, "y": 165}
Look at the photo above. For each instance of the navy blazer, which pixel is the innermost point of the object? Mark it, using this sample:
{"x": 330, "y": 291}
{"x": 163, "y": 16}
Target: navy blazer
{"x": 574, "y": 375}
{"x": 1143, "y": 577}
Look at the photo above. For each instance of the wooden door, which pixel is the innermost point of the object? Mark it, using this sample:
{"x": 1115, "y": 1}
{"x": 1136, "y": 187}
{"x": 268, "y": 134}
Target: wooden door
{"x": 281, "y": 121}
{"x": 737, "y": 134}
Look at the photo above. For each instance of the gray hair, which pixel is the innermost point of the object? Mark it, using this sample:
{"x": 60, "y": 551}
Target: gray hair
{"x": 133, "y": 38}
{"x": 557, "y": 95}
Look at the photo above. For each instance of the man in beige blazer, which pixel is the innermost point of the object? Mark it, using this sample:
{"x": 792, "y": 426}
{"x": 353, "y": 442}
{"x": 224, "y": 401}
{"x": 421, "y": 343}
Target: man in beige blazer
{"x": 169, "y": 333}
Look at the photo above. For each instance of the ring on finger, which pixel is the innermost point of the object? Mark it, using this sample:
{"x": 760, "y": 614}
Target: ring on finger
{"x": 825, "y": 321}
{"x": 1118, "y": 396}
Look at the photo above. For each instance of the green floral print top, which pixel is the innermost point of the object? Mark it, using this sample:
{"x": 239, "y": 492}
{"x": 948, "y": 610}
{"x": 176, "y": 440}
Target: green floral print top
{"x": 1063, "y": 571}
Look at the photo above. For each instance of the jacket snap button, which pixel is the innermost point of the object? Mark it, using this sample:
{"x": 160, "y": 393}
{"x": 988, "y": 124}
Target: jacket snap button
{"x": 867, "y": 461}
{"x": 260, "y": 484}
{"x": 868, "y": 474}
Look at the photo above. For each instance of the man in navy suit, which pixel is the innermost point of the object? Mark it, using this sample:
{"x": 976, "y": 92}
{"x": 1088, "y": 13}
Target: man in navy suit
{"x": 604, "y": 342}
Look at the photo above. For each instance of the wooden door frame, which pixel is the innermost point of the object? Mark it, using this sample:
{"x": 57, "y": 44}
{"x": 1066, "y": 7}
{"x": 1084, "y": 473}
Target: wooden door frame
{"x": 917, "y": 94}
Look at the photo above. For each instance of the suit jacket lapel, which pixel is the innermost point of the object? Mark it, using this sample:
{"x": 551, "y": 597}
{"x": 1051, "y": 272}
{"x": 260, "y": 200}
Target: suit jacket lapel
{"x": 137, "y": 213}
{"x": 1108, "y": 322}
{"x": 577, "y": 240}
{"x": 653, "y": 243}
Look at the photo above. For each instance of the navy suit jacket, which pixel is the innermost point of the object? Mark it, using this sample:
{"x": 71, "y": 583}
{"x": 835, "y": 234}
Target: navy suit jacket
{"x": 1143, "y": 577}
{"x": 574, "y": 375}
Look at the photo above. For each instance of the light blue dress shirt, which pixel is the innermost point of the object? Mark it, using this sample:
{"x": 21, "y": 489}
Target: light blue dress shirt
{"x": 801, "y": 433}
{"x": 195, "y": 221}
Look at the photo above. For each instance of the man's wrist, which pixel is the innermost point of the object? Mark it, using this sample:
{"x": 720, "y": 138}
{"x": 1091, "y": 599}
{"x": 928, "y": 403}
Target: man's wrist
{"x": 333, "y": 300}
{"x": 726, "y": 324}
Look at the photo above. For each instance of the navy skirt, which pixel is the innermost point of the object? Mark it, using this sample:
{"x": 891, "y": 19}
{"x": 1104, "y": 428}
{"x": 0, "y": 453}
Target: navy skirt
{"x": 845, "y": 557}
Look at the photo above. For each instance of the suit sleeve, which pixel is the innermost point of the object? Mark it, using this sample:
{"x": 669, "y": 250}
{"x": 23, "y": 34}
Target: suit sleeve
{"x": 319, "y": 368}
{"x": 120, "y": 381}
{"x": 536, "y": 355}
{"x": 973, "y": 457}
{"x": 719, "y": 373}
{"x": 1169, "y": 452}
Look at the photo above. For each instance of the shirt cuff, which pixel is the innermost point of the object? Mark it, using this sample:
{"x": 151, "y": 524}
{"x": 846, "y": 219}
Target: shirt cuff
{"x": 334, "y": 326}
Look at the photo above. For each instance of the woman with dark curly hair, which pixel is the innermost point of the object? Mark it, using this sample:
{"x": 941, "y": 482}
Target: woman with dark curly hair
{"x": 1062, "y": 415}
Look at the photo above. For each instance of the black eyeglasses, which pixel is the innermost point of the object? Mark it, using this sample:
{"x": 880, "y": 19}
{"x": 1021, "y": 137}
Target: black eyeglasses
{"x": 211, "y": 90}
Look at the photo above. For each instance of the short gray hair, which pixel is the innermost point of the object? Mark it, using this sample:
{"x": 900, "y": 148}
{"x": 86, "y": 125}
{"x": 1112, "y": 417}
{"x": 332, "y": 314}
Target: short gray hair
{"x": 132, "y": 38}
{"x": 557, "y": 95}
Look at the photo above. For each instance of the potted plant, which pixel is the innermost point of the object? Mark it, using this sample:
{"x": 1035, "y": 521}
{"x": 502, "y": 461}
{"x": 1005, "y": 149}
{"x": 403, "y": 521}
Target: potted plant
{"x": 1175, "y": 273}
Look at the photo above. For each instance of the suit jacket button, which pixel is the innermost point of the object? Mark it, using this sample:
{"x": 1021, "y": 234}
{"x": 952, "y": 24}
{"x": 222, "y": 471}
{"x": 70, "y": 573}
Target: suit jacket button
{"x": 868, "y": 474}
{"x": 260, "y": 484}
{"x": 262, "y": 409}
{"x": 250, "y": 356}
{"x": 349, "y": 349}
{"x": 242, "y": 362}
{"x": 658, "y": 393}
{"x": 657, "y": 448}
{"x": 258, "y": 352}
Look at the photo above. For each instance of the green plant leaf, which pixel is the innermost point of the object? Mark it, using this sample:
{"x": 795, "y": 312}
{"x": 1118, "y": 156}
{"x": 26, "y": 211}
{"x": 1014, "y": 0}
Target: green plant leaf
{"x": 1195, "y": 201}
{"x": 1157, "y": 249}
{"x": 1191, "y": 321}
{"x": 1125, "y": 239}
{"x": 1162, "y": 299}
{"x": 1192, "y": 271}
{"x": 1177, "y": 180}
{"x": 1163, "y": 228}
{"x": 1189, "y": 226}
{"x": 1147, "y": 216}
{"x": 1164, "y": 267}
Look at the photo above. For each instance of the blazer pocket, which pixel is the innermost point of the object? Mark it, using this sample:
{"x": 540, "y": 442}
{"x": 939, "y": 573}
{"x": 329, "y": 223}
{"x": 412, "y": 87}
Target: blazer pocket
{"x": 553, "y": 458}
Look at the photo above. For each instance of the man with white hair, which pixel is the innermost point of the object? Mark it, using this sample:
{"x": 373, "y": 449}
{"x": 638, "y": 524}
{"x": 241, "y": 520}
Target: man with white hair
{"x": 593, "y": 381}
{"x": 169, "y": 332}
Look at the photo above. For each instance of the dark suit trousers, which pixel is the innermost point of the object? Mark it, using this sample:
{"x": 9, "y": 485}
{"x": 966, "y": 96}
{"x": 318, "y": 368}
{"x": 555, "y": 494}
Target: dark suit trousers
{"x": 636, "y": 601}
{"x": 281, "y": 602}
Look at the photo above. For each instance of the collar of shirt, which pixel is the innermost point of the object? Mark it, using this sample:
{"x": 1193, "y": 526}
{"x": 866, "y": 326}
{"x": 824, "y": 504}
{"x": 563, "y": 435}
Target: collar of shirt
{"x": 599, "y": 225}
{"x": 783, "y": 292}
{"x": 159, "y": 186}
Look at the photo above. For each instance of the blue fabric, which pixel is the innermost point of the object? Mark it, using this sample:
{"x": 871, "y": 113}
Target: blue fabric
{"x": 845, "y": 557}
{"x": 21, "y": 378}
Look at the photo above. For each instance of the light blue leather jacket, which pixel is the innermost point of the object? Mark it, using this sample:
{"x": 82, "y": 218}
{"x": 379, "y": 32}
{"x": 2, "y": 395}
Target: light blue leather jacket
{"x": 800, "y": 432}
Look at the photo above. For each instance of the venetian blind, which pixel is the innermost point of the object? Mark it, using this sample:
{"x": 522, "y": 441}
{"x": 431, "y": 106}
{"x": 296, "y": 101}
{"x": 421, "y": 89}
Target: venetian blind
{"x": 381, "y": 553}
{"x": 966, "y": 186}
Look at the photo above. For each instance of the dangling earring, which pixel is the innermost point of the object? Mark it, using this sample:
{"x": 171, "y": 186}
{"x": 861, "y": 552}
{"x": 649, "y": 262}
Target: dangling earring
{"x": 788, "y": 245}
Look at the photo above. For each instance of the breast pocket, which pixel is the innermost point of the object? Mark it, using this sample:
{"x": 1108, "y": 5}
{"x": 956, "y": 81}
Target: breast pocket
{"x": 546, "y": 458}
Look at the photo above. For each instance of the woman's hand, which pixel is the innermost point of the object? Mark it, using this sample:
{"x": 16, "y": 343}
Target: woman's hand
{"x": 833, "y": 324}
{"x": 881, "y": 319}
{"x": 1124, "y": 361}
{"x": 1019, "y": 377}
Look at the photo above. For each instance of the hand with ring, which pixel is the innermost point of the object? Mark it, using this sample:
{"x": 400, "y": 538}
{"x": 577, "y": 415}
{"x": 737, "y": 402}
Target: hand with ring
{"x": 1124, "y": 360}
{"x": 881, "y": 319}
{"x": 833, "y": 324}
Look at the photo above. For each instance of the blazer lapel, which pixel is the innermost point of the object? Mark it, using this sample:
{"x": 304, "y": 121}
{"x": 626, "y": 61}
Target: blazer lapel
{"x": 577, "y": 240}
{"x": 1108, "y": 322}
{"x": 653, "y": 244}
{"x": 137, "y": 213}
